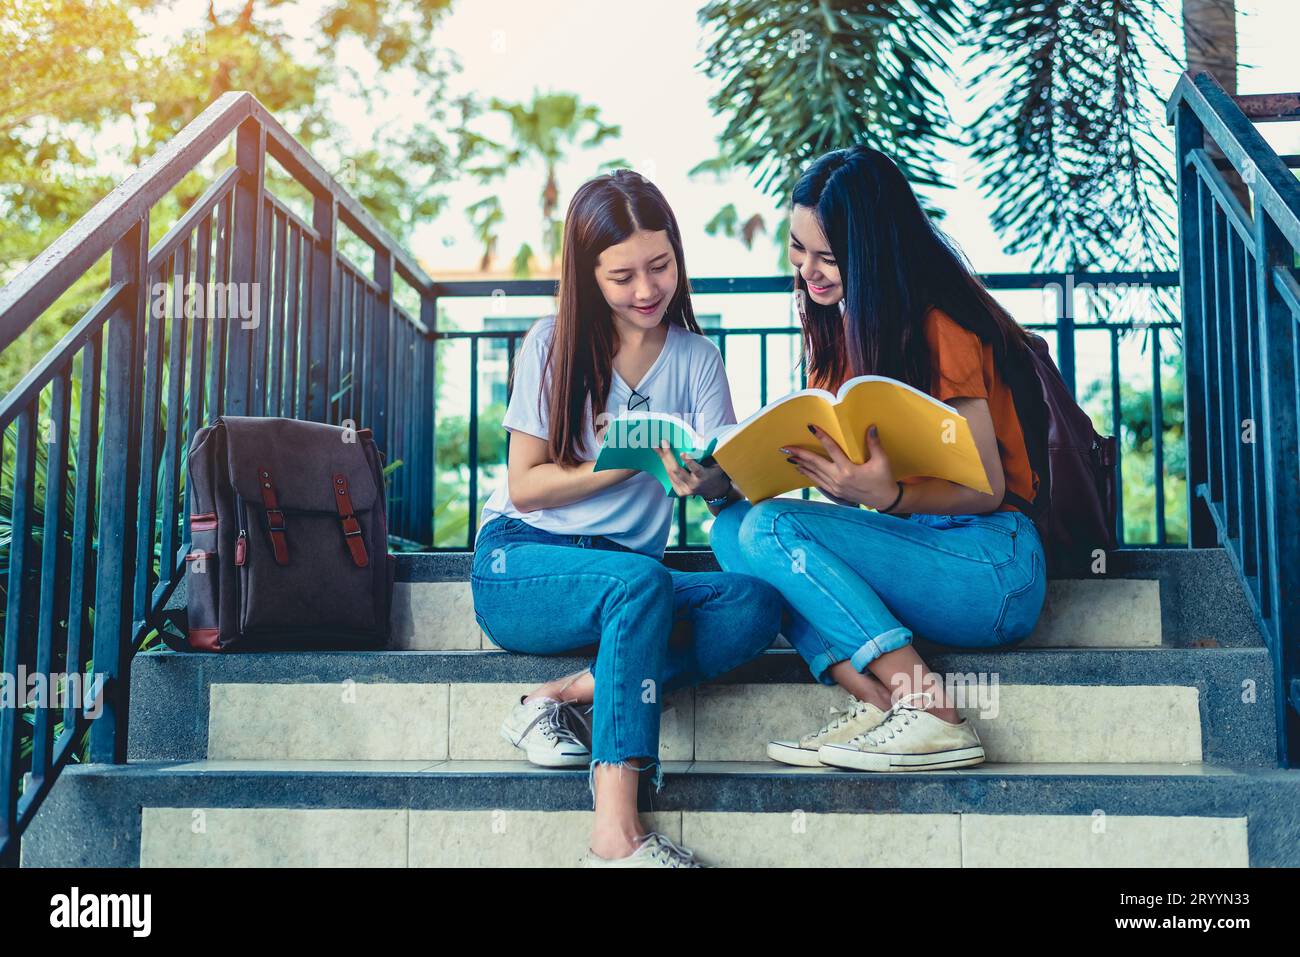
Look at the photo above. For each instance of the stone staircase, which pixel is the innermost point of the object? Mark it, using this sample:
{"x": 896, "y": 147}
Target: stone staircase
{"x": 1134, "y": 728}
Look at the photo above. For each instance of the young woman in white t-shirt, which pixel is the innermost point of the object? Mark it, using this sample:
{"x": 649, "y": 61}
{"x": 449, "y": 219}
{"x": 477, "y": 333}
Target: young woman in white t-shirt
{"x": 567, "y": 557}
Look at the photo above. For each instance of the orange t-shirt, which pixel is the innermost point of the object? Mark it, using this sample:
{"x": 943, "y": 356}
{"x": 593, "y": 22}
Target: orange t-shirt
{"x": 963, "y": 368}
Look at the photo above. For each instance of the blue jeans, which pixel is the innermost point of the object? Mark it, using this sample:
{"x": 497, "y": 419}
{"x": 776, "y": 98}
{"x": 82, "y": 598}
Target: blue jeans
{"x": 541, "y": 593}
{"x": 858, "y": 583}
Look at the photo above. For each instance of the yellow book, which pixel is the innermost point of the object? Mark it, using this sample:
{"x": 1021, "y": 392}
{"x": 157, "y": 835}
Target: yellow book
{"x": 921, "y": 436}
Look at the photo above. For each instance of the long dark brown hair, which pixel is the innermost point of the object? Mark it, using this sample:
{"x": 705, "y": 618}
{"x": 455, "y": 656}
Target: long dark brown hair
{"x": 894, "y": 265}
{"x": 604, "y": 212}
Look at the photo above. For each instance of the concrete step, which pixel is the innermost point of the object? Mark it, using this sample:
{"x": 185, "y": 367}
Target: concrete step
{"x": 1141, "y": 598}
{"x": 1044, "y": 705}
{"x": 411, "y": 814}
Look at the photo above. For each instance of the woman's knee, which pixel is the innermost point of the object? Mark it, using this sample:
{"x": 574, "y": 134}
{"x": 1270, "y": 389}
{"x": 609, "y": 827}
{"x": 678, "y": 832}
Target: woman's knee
{"x": 724, "y": 533}
{"x": 644, "y": 580}
{"x": 765, "y": 523}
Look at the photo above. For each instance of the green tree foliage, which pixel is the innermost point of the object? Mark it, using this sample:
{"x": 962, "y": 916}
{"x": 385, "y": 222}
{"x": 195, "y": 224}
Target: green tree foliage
{"x": 1069, "y": 158}
{"x": 543, "y": 132}
{"x": 83, "y": 72}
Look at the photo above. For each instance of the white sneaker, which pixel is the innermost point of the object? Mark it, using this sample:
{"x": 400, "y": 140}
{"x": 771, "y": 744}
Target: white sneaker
{"x": 539, "y": 728}
{"x": 909, "y": 739}
{"x": 654, "y": 850}
{"x": 858, "y": 717}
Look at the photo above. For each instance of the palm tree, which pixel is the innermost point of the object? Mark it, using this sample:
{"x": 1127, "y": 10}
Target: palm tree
{"x": 544, "y": 130}
{"x": 1072, "y": 163}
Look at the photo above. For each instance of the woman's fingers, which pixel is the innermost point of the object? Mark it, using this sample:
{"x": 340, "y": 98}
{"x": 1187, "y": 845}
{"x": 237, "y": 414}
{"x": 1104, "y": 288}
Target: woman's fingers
{"x": 833, "y": 450}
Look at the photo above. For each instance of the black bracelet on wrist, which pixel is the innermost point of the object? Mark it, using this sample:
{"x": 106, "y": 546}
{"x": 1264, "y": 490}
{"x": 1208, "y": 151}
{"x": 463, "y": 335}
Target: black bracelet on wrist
{"x": 894, "y": 503}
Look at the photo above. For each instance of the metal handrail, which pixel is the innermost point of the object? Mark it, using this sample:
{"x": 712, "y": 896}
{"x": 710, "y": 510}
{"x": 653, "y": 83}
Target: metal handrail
{"x": 150, "y": 365}
{"x": 1241, "y": 327}
{"x": 1065, "y": 327}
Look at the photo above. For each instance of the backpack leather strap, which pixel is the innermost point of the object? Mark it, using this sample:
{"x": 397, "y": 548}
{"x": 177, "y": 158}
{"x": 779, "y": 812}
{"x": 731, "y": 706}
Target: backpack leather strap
{"x": 274, "y": 517}
{"x": 351, "y": 527}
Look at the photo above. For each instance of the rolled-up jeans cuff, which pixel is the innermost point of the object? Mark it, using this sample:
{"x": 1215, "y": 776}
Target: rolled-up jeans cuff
{"x": 891, "y": 640}
{"x": 820, "y": 666}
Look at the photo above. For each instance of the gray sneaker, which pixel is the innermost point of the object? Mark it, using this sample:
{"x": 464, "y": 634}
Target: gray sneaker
{"x": 856, "y": 718}
{"x": 542, "y": 729}
{"x": 654, "y": 850}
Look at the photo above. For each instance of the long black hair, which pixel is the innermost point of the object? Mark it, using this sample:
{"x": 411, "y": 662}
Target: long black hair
{"x": 894, "y": 265}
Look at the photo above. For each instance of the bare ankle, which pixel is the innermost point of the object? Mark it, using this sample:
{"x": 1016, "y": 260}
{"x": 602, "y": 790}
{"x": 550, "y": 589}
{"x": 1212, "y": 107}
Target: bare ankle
{"x": 615, "y": 841}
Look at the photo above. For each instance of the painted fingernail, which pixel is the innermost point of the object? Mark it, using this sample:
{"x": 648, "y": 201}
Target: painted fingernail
{"x": 812, "y": 430}
{"x": 792, "y": 461}
{"x": 784, "y": 451}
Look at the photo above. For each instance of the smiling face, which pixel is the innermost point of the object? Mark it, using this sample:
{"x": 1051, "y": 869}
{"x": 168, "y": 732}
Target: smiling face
{"x": 810, "y": 253}
{"x": 638, "y": 278}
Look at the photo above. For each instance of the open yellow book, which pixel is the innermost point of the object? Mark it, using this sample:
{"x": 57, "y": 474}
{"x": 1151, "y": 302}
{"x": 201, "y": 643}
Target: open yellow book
{"x": 921, "y": 436}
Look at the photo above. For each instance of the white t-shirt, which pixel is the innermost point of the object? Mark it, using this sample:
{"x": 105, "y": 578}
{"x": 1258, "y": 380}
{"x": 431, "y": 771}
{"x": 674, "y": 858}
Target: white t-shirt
{"x": 687, "y": 380}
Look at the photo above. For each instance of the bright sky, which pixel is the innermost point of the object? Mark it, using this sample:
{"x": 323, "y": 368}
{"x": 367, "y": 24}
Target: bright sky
{"x": 638, "y": 63}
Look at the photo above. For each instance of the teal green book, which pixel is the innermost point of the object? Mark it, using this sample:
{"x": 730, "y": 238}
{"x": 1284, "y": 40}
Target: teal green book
{"x": 631, "y": 440}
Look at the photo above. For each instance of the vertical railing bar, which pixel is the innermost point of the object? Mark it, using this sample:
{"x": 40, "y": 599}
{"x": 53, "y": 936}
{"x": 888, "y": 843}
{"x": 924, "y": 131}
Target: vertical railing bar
{"x": 1245, "y": 472}
{"x": 1227, "y": 432}
{"x": 276, "y": 336}
{"x": 260, "y": 333}
{"x": 401, "y": 391}
{"x": 115, "y": 563}
{"x": 1117, "y": 431}
{"x": 428, "y": 360}
{"x": 406, "y": 411}
{"x": 380, "y": 352}
{"x": 1065, "y": 338}
{"x": 360, "y": 325}
{"x": 1228, "y": 401}
{"x": 1213, "y": 361}
{"x": 319, "y": 339}
{"x": 152, "y": 372}
{"x": 198, "y": 350}
{"x": 347, "y": 305}
{"x": 175, "y": 401}
{"x": 21, "y": 558}
{"x": 1264, "y": 582}
{"x": 218, "y": 316}
{"x": 288, "y": 392}
{"x": 762, "y": 369}
{"x": 473, "y": 440}
{"x": 1190, "y": 135}
{"x": 1208, "y": 353}
{"x": 53, "y": 574}
{"x": 362, "y": 352}
{"x": 83, "y": 514}
{"x": 1158, "y": 434}
{"x": 302, "y": 377}
{"x": 248, "y": 265}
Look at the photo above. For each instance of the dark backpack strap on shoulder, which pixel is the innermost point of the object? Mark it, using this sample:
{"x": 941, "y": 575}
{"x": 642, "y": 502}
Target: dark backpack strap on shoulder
{"x": 274, "y": 517}
{"x": 351, "y": 527}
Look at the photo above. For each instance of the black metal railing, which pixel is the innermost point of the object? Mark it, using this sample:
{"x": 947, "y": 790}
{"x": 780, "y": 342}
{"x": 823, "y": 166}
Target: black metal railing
{"x": 1064, "y": 331}
{"x": 1241, "y": 327}
{"x": 241, "y": 308}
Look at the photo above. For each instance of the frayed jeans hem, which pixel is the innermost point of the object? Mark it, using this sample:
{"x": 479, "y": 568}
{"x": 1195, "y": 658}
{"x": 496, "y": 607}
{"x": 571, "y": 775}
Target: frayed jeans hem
{"x": 651, "y": 764}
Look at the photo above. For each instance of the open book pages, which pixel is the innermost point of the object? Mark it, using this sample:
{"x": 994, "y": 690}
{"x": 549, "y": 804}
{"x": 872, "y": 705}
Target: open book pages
{"x": 921, "y": 436}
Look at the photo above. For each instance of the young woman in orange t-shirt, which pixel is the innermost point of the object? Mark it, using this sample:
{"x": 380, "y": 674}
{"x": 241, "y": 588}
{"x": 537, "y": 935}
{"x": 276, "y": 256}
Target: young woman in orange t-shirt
{"x": 882, "y": 291}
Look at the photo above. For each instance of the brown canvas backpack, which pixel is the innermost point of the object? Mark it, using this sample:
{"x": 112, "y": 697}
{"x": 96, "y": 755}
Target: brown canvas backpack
{"x": 289, "y": 536}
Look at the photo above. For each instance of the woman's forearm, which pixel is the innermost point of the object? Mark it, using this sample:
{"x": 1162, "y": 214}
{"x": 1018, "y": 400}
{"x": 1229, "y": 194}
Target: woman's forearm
{"x": 550, "y": 485}
{"x": 941, "y": 497}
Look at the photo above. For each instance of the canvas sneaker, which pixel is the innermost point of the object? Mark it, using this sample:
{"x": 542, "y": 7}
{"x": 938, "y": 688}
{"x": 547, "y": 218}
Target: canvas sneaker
{"x": 909, "y": 739}
{"x": 654, "y": 850}
{"x": 858, "y": 717}
{"x": 543, "y": 729}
